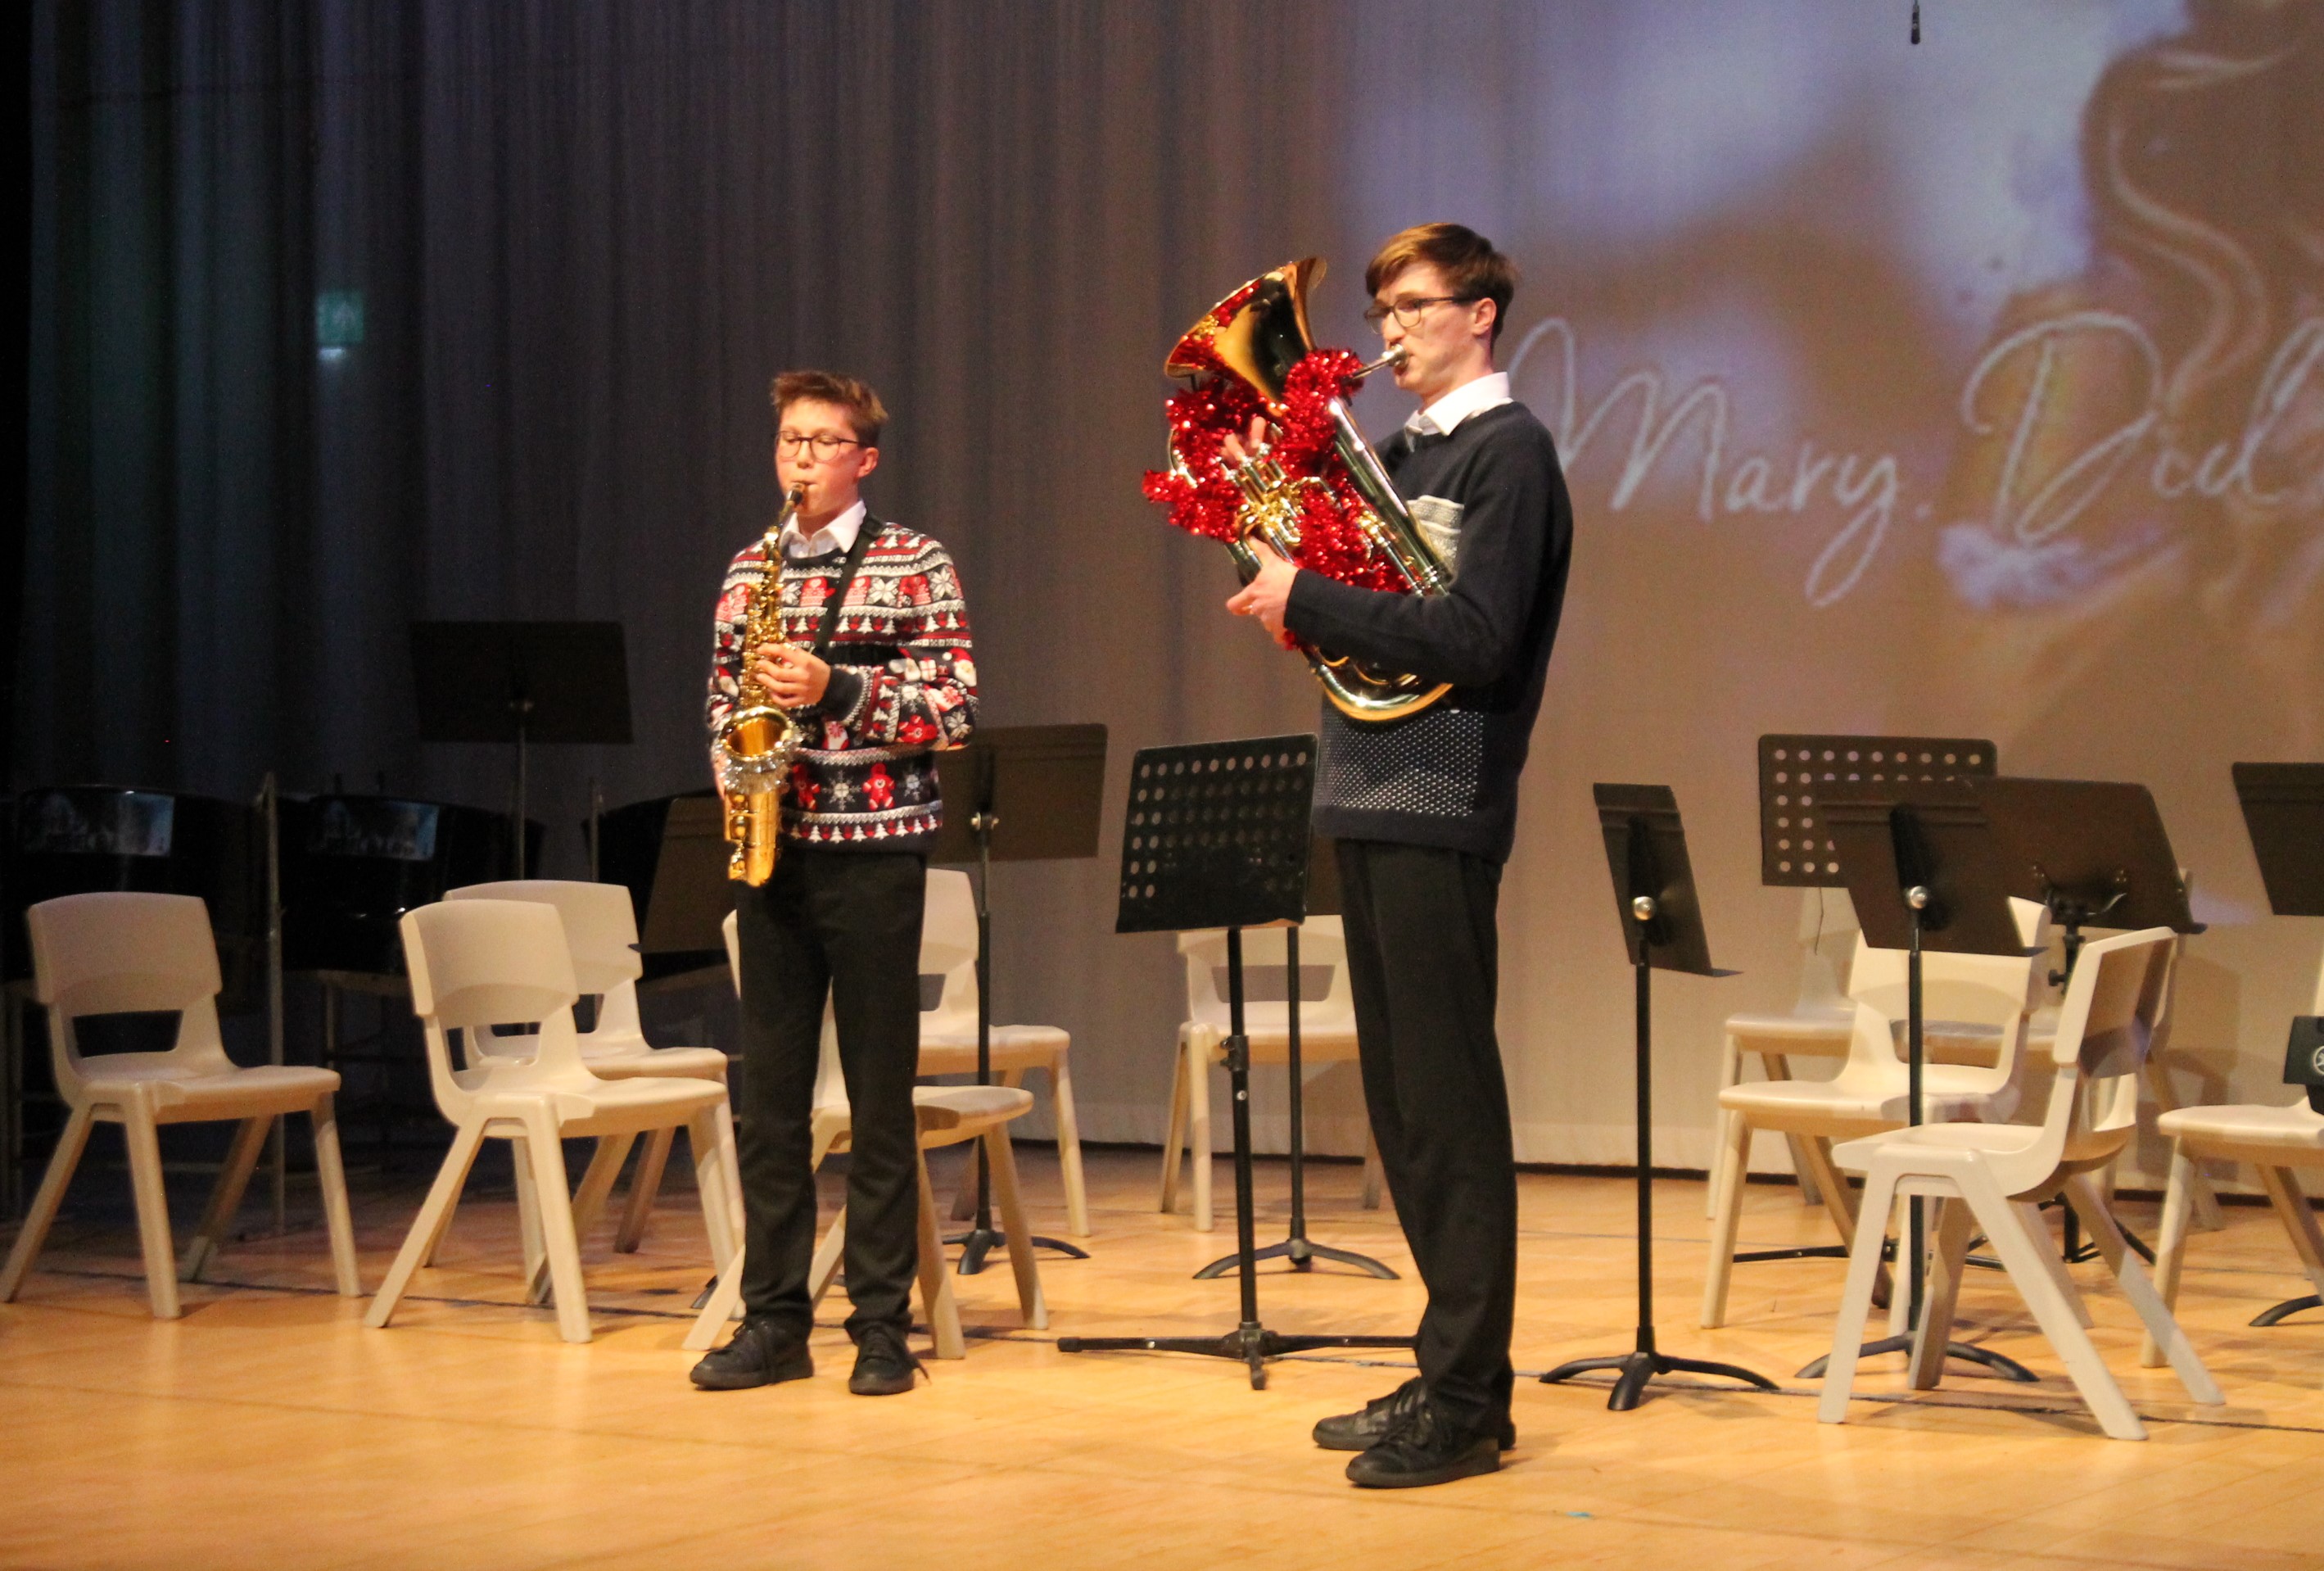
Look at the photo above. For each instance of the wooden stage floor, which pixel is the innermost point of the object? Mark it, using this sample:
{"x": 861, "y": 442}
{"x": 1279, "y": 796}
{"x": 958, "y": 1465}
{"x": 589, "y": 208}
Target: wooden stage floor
{"x": 269, "y": 1429}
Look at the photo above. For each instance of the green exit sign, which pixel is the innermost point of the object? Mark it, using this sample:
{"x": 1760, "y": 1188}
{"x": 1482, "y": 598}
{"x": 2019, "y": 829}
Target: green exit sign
{"x": 338, "y": 317}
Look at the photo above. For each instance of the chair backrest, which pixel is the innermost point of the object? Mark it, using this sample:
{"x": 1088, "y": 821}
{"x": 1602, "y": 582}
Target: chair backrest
{"x": 1991, "y": 992}
{"x": 1829, "y": 931}
{"x": 2106, "y": 1028}
{"x": 601, "y": 934}
{"x": 948, "y": 950}
{"x": 475, "y": 964}
{"x": 830, "y": 1083}
{"x": 119, "y": 952}
{"x": 1326, "y": 1001}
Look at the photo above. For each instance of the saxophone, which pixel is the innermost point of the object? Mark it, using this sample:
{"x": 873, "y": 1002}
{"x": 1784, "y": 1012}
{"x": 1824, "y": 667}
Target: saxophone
{"x": 759, "y": 738}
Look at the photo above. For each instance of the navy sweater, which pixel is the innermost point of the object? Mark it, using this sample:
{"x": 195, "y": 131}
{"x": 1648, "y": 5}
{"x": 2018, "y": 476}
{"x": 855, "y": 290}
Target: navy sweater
{"x": 1447, "y": 776}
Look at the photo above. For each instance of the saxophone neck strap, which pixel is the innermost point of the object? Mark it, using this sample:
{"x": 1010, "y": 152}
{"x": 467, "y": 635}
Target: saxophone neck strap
{"x": 847, "y": 569}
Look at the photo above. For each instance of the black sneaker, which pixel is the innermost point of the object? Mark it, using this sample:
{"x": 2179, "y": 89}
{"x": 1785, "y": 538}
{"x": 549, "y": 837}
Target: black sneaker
{"x": 1363, "y": 1430}
{"x": 884, "y": 1366}
{"x": 760, "y": 1353}
{"x": 1425, "y": 1448}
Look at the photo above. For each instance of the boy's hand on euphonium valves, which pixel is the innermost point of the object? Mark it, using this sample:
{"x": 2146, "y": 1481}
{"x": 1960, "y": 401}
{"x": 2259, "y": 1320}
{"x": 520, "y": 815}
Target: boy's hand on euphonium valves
{"x": 792, "y": 676}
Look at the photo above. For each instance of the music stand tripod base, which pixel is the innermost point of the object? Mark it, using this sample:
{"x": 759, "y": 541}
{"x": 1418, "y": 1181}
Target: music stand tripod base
{"x": 1302, "y": 1252}
{"x": 2288, "y": 1307}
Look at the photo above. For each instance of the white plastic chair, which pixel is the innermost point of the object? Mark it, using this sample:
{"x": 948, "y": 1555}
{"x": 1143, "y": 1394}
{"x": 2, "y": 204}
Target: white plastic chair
{"x": 477, "y": 963}
{"x": 1986, "y": 992}
{"x": 601, "y": 933}
{"x": 1817, "y": 1025}
{"x": 1989, "y": 1176}
{"x": 2277, "y": 1141}
{"x": 948, "y": 1034}
{"x": 119, "y": 953}
{"x": 1327, "y": 1035}
{"x": 946, "y": 1115}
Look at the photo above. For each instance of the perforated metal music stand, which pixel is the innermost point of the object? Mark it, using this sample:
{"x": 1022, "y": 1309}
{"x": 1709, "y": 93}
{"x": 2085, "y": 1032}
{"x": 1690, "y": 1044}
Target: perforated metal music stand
{"x": 1662, "y": 927}
{"x": 1925, "y": 873}
{"x": 2283, "y": 812}
{"x": 1216, "y": 836}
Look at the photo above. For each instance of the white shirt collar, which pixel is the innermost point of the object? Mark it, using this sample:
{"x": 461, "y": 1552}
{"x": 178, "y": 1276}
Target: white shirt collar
{"x": 1489, "y": 391}
{"x": 838, "y": 535}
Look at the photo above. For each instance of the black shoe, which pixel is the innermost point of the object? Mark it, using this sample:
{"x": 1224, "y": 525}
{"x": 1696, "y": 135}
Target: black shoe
{"x": 1362, "y": 1430}
{"x": 759, "y": 1353}
{"x": 1425, "y": 1449}
{"x": 884, "y": 1366}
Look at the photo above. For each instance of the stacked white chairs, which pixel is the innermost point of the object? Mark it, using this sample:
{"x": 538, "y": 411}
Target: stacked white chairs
{"x": 2277, "y": 1141}
{"x": 476, "y": 965}
{"x": 121, "y": 952}
{"x": 1327, "y": 1034}
{"x": 948, "y": 1034}
{"x": 1990, "y": 1177}
{"x": 601, "y": 934}
{"x": 1992, "y": 994}
{"x": 947, "y": 1116}
{"x": 1817, "y": 1025}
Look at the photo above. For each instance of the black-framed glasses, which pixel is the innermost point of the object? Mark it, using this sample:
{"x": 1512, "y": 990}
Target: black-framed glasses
{"x": 1407, "y": 310}
{"x": 822, "y": 447}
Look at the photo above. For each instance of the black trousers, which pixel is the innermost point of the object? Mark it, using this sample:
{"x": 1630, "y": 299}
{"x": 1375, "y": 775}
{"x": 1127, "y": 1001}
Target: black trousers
{"x": 1422, "y": 963}
{"x": 845, "y": 924}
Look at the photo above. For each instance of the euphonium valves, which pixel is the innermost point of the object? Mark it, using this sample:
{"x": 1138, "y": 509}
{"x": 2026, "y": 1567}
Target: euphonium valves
{"x": 1319, "y": 495}
{"x": 760, "y": 737}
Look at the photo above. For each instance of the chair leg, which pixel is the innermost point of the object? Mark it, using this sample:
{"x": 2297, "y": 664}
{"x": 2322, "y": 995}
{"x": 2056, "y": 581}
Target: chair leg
{"x": 824, "y": 1268}
{"x": 2157, "y": 1075}
{"x": 1948, "y": 1260}
{"x": 588, "y": 1204}
{"x": 226, "y": 1198}
{"x": 647, "y": 1184}
{"x": 1198, "y": 1136}
{"x": 1375, "y": 1175}
{"x": 2054, "y": 1259}
{"x": 1731, "y": 1072}
{"x": 935, "y": 1275}
{"x": 725, "y": 1299}
{"x": 1069, "y": 1147}
{"x": 1022, "y": 1262}
{"x": 153, "y": 1210}
{"x": 1727, "y": 1183}
{"x": 2283, "y": 1193}
{"x": 2022, "y": 1249}
{"x": 559, "y": 1236}
{"x": 2170, "y": 1248}
{"x": 331, "y": 1179}
{"x": 710, "y": 1137}
{"x": 1176, "y": 1131}
{"x": 527, "y": 1207}
{"x": 1831, "y": 1186}
{"x": 1855, "y": 1304}
{"x": 43, "y": 1214}
{"x": 428, "y": 1228}
{"x": 2082, "y": 1195}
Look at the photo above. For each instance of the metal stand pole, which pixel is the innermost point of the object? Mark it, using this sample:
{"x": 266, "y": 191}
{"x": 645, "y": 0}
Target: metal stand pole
{"x": 1298, "y": 1249}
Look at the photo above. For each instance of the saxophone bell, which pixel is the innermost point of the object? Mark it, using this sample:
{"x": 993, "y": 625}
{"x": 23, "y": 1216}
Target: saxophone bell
{"x": 759, "y": 738}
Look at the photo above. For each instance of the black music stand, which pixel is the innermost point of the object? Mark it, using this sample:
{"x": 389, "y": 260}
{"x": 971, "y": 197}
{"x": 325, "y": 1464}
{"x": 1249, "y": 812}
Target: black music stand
{"x": 671, "y": 853}
{"x": 1216, "y": 836}
{"x": 1662, "y": 926}
{"x": 521, "y": 683}
{"x": 1922, "y": 864}
{"x": 1302, "y": 1252}
{"x": 2095, "y": 853}
{"x": 1051, "y": 779}
{"x": 2283, "y": 812}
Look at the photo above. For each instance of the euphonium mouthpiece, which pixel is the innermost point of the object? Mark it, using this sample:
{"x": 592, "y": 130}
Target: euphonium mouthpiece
{"x": 1396, "y": 355}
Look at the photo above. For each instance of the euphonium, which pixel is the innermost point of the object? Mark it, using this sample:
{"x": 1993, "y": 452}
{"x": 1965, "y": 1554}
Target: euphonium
{"x": 759, "y": 738}
{"x": 1256, "y": 336}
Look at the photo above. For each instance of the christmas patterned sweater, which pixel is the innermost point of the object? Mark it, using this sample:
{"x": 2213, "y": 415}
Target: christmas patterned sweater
{"x": 903, "y": 683}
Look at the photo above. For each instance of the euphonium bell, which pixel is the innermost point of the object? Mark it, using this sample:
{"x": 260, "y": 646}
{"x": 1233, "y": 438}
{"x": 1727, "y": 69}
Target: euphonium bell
{"x": 1256, "y": 336}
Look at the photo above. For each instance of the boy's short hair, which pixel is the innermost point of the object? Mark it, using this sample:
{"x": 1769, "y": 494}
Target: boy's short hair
{"x": 865, "y": 412}
{"x": 1472, "y": 269}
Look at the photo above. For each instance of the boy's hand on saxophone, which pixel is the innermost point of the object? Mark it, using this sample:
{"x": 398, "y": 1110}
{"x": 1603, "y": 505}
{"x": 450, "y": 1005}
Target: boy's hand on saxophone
{"x": 792, "y": 676}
